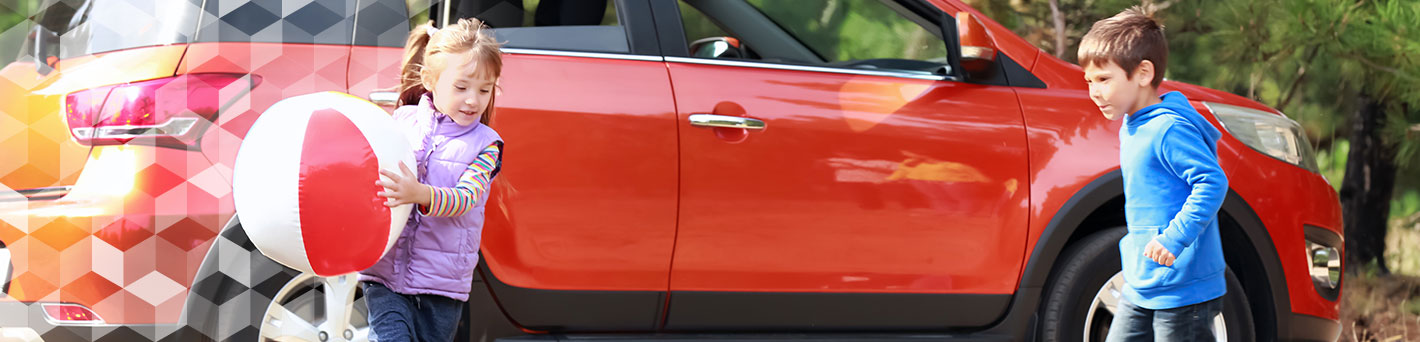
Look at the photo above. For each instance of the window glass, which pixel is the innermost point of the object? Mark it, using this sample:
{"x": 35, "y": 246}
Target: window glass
{"x": 574, "y": 25}
{"x": 867, "y": 34}
{"x": 849, "y": 30}
{"x": 697, "y": 25}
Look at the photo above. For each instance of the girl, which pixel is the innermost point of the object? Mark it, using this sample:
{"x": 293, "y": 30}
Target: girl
{"x": 416, "y": 291}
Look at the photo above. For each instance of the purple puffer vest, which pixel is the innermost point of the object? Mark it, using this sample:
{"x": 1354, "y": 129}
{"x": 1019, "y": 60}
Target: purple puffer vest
{"x": 437, "y": 255}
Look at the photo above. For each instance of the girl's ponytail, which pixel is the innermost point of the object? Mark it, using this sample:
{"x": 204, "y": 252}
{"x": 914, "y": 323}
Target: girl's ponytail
{"x": 411, "y": 84}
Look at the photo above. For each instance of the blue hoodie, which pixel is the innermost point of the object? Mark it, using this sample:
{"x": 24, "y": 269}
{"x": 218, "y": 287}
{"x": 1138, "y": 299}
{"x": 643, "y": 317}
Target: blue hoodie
{"x": 1168, "y": 155}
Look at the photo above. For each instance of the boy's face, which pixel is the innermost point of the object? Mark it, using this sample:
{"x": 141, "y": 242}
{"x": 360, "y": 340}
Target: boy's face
{"x": 461, "y": 90}
{"x": 1114, "y": 92}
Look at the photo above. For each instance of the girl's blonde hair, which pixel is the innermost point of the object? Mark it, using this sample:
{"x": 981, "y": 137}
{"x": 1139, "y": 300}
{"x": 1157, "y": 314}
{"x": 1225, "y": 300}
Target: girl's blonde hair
{"x": 420, "y": 68}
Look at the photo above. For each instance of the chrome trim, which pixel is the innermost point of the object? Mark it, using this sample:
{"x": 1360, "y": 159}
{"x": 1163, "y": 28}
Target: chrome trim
{"x": 37, "y": 194}
{"x": 725, "y": 121}
{"x": 764, "y": 65}
{"x": 174, "y": 127}
{"x": 384, "y": 98}
{"x": 602, "y": 55}
{"x": 444, "y": 18}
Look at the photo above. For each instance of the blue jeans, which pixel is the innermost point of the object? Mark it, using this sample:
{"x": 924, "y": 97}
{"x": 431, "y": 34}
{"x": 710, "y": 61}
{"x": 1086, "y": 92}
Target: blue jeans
{"x": 399, "y": 318}
{"x": 1188, "y": 323}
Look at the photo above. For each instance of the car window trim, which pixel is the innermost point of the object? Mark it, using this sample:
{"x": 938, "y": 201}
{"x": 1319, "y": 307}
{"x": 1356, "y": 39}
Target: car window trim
{"x": 583, "y": 54}
{"x": 809, "y": 68}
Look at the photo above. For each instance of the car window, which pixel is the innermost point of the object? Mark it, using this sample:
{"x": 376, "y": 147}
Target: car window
{"x": 697, "y": 25}
{"x": 867, "y": 34}
{"x": 386, "y": 23}
{"x": 328, "y": 22}
{"x": 572, "y": 25}
{"x": 69, "y": 28}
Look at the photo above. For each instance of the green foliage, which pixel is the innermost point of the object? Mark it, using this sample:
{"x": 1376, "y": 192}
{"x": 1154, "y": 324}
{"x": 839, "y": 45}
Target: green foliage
{"x": 13, "y": 17}
{"x": 850, "y": 30}
{"x": 1405, "y": 203}
{"x": 1315, "y": 60}
{"x": 1332, "y": 162}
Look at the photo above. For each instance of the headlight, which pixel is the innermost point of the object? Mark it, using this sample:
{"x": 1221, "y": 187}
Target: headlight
{"x": 1272, "y": 134}
{"x": 1324, "y": 260}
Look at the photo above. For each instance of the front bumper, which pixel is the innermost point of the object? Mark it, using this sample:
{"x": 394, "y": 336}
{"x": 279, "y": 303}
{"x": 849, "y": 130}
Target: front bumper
{"x": 1312, "y": 328}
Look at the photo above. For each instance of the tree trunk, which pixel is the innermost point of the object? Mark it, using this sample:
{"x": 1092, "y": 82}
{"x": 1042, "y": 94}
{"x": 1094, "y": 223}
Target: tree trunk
{"x": 1059, "y": 19}
{"x": 1366, "y": 188}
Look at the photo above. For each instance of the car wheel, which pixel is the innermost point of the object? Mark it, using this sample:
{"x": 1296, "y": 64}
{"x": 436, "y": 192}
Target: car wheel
{"x": 1085, "y": 289}
{"x": 241, "y": 295}
{"x": 317, "y": 309}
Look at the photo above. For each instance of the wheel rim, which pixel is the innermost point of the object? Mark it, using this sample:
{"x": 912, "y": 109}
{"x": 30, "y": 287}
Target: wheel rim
{"x": 1106, "y": 301}
{"x": 310, "y": 308}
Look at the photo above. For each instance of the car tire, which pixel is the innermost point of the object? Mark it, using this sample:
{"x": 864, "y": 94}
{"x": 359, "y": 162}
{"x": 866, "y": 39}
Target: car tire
{"x": 1081, "y": 276}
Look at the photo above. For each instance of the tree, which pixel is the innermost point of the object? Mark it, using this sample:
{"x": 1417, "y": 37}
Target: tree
{"x": 1384, "y": 52}
{"x": 1346, "y": 69}
{"x": 1333, "y": 62}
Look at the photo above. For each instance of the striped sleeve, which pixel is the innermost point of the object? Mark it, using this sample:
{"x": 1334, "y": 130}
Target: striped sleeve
{"x": 455, "y": 201}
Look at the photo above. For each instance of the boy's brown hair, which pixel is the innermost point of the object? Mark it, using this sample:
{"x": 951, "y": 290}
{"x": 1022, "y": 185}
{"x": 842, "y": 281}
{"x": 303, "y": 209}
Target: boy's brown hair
{"x": 1127, "y": 39}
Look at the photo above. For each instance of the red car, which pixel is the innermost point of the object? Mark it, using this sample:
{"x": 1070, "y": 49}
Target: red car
{"x": 687, "y": 169}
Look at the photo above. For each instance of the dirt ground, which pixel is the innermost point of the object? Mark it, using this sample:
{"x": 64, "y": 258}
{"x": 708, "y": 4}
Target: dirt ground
{"x": 1381, "y": 308}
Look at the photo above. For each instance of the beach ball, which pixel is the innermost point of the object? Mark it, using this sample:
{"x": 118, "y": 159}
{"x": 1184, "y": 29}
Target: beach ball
{"x": 304, "y": 183}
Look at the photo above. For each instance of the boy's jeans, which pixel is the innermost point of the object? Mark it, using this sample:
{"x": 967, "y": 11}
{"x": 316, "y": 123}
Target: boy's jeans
{"x": 398, "y": 318}
{"x": 1189, "y": 323}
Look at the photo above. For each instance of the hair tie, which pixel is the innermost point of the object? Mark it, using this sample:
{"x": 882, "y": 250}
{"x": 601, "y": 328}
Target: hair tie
{"x": 432, "y": 30}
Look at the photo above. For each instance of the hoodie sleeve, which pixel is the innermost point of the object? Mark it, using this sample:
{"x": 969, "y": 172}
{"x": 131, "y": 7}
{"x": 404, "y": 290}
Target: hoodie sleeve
{"x": 1188, "y": 154}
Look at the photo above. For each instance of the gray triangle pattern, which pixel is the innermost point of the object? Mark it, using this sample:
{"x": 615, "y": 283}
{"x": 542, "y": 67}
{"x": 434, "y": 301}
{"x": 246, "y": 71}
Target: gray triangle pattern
{"x": 275, "y": 21}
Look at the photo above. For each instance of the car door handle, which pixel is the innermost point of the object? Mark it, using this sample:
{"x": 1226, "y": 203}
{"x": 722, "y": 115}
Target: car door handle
{"x": 724, "y": 121}
{"x": 384, "y": 98}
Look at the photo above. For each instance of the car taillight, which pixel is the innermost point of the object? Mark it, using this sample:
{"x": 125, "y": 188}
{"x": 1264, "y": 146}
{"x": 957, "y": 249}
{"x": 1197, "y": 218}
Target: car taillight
{"x": 70, "y": 314}
{"x": 168, "y": 112}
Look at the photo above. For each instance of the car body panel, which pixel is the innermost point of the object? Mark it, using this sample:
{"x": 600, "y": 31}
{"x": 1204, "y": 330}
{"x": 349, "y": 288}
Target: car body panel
{"x": 877, "y": 186}
{"x": 593, "y": 208}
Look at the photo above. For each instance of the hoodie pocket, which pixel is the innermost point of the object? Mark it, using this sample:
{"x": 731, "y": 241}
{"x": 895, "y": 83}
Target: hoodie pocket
{"x": 1141, "y": 272}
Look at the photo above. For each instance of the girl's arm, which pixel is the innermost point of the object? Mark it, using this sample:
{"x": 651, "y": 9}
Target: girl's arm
{"x": 455, "y": 201}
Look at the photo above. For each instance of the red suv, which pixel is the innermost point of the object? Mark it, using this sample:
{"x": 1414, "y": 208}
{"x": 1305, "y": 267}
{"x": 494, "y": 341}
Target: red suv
{"x": 687, "y": 169}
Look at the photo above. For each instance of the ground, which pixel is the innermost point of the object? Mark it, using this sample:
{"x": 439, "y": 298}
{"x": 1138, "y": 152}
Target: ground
{"x": 1386, "y": 308}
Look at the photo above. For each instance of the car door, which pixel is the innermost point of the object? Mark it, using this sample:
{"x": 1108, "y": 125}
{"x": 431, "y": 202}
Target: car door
{"x": 832, "y": 176}
{"x": 581, "y": 220}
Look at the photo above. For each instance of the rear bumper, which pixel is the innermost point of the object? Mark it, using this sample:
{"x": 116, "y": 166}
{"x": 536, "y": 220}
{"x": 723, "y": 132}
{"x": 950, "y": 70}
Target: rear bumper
{"x": 21, "y": 322}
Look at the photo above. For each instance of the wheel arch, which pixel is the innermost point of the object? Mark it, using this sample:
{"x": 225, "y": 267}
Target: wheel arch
{"x": 1099, "y": 205}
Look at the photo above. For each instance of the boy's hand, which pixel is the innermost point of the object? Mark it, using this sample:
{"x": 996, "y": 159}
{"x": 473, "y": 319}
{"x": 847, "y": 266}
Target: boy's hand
{"x": 1156, "y": 251}
{"x": 403, "y": 188}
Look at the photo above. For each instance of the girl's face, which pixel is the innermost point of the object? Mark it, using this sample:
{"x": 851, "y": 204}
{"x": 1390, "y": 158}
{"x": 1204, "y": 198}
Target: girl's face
{"x": 460, "y": 90}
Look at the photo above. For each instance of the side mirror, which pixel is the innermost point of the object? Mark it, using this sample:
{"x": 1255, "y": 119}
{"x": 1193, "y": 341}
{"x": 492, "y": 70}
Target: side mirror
{"x": 978, "y": 52}
{"x": 717, "y": 47}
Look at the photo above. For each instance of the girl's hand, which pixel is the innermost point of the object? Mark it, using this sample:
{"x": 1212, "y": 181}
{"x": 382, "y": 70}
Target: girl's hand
{"x": 403, "y": 188}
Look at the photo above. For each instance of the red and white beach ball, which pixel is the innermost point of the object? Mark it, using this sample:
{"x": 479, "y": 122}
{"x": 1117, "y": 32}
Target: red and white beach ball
{"x": 304, "y": 183}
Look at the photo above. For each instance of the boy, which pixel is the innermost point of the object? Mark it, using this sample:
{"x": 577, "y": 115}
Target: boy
{"x": 1172, "y": 256}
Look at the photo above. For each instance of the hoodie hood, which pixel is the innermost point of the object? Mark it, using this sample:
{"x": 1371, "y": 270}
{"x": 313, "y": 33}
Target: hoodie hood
{"x": 1175, "y": 103}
